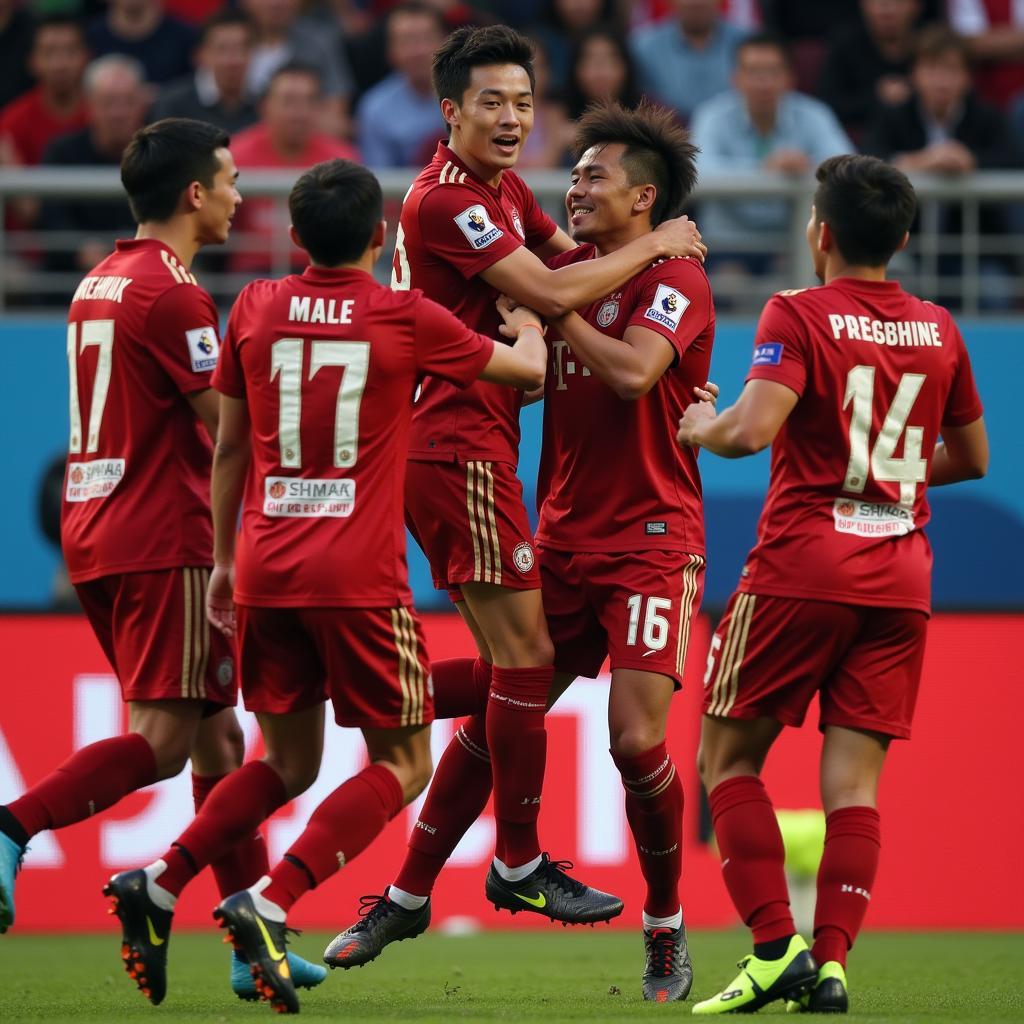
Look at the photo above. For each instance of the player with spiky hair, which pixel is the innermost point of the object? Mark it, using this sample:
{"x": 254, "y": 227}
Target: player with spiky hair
{"x": 470, "y": 229}
{"x": 852, "y": 385}
{"x": 621, "y": 539}
{"x": 135, "y": 519}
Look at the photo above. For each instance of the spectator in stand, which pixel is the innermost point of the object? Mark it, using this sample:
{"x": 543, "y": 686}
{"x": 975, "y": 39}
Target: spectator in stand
{"x": 16, "y": 26}
{"x": 744, "y": 14}
{"x": 282, "y": 37}
{"x": 994, "y": 30}
{"x": 547, "y": 145}
{"x": 401, "y": 114}
{"x": 601, "y": 71}
{"x": 56, "y": 105}
{"x": 288, "y": 136}
{"x": 562, "y": 23}
{"x": 217, "y": 90}
{"x": 686, "y": 60}
{"x": 141, "y": 29}
{"x": 759, "y": 125}
{"x": 868, "y": 61}
{"x": 116, "y": 97}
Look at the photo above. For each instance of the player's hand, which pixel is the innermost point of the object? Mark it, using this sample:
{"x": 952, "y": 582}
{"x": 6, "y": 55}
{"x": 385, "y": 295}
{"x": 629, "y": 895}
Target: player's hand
{"x": 680, "y": 237}
{"x": 220, "y": 599}
{"x": 708, "y": 393}
{"x": 516, "y": 317}
{"x": 695, "y": 416}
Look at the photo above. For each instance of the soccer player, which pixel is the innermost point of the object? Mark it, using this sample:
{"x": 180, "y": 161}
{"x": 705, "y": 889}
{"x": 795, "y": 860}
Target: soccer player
{"x": 852, "y": 384}
{"x": 471, "y": 229}
{"x": 316, "y": 375}
{"x": 622, "y": 563}
{"x": 142, "y": 343}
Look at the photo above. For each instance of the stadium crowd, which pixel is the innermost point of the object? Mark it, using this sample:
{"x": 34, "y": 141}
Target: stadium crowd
{"x": 931, "y": 85}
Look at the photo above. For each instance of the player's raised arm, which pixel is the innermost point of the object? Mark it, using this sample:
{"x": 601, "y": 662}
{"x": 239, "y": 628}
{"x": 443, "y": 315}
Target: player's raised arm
{"x": 742, "y": 429}
{"x": 522, "y": 364}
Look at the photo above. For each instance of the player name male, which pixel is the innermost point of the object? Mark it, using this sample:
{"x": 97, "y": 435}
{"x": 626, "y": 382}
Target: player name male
{"x": 320, "y": 311}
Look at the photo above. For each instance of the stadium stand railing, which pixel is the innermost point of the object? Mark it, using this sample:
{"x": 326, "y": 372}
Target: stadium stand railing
{"x": 967, "y": 251}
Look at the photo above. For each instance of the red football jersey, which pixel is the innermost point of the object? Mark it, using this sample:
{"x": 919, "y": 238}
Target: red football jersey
{"x": 141, "y": 335}
{"x": 453, "y": 226}
{"x": 879, "y": 373}
{"x": 328, "y": 362}
{"x": 612, "y": 477}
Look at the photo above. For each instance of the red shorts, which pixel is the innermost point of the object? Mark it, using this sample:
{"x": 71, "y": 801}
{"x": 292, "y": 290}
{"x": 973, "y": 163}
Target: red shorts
{"x": 153, "y": 629}
{"x": 470, "y": 521}
{"x": 371, "y": 663}
{"x": 771, "y": 655}
{"x": 636, "y": 608}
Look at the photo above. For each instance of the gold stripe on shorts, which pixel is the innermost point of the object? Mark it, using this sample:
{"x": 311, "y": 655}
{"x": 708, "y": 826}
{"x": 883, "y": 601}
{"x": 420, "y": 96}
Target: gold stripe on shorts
{"x": 186, "y": 650}
{"x": 480, "y": 508}
{"x": 734, "y": 649}
{"x": 691, "y": 581}
{"x": 471, "y": 509}
{"x": 492, "y": 522}
{"x": 403, "y": 679}
{"x": 203, "y": 624}
{"x": 416, "y": 675}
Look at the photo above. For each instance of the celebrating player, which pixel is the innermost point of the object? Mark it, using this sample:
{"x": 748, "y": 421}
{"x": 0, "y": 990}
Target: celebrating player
{"x": 471, "y": 229}
{"x": 622, "y": 567}
{"x": 142, "y": 343}
{"x": 315, "y": 377}
{"x": 852, "y": 384}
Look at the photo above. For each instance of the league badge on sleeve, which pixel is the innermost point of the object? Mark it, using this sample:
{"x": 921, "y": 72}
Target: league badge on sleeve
{"x": 668, "y": 307}
{"x": 768, "y": 353}
{"x": 203, "y": 348}
{"x": 477, "y": 227}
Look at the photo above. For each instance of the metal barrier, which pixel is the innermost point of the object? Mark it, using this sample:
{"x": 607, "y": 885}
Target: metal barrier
{"x": 967, "y": 250}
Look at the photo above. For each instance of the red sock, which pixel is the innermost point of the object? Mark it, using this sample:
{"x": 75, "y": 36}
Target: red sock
{"x": 460, "y": 686}
{"x": 654, "y": 809}
{"x": 230, "y": 814}
{"x": 753, "y": 857}
{"x": 89, "y": 781}
{"x": 518, "y": 742}
{"x": 246, "y": 862}
{"x": 846, "y": 877}
{"x": 457, "y": 796}
{"x": 352, "y": 817}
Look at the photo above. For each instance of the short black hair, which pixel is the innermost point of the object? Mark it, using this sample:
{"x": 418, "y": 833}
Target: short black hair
{"x": 58, "y": 21}
{"x": 575, "y": 100}
{"x": 226, "y": 18}
{"x": 467, "y": 48}
{"x": 658, "y": 150}
{"x": 296, "y": 67}
{"x": 163, "y": 159}
{"x": 335, "y": 207}
{"x": 764, "y": 39}
{"x": 869, "y": 206}
{"x": 421, "y": 8}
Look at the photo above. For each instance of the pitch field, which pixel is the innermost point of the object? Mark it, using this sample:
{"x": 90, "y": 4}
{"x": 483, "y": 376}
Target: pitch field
{"x": 547, "y": 976}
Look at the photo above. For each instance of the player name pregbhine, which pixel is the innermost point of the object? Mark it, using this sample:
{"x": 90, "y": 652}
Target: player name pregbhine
{"x": 304, "y": 498}
{"x": 105, "y": 286}
{"x": 901, "y": 333}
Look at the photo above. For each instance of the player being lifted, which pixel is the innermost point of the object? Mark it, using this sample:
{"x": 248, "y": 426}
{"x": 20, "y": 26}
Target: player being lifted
{"x": 852, "y": 384}
{"x": 142, "y": 343}
{"x": 622, "y": 566}
{"x": 315, "y": 377}
{"x": 471, "y": 229}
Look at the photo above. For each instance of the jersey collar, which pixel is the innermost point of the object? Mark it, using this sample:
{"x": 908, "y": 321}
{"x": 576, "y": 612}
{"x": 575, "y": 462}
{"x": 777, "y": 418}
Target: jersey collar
{"x": 445, "y": 154}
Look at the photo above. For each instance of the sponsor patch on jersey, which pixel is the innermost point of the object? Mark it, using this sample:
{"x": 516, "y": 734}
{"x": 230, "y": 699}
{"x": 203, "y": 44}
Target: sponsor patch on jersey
{"x": 302, "y": 498}
{"x": 96, "y": 479}
{"x": 768, "y": 353}
{"x": 203, "y": 348}
{"x": 668, "y": 307}
{"x": 656, "y": 528}
{"x": 477, "y": 227}
{"x": 607, "y": 313}
{"x": 870, "y": 519}
{"x": 522, "y": 557}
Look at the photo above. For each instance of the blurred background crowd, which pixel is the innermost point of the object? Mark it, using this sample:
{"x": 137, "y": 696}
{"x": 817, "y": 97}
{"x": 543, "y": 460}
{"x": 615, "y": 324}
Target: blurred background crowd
{"x": 777, "y": 85}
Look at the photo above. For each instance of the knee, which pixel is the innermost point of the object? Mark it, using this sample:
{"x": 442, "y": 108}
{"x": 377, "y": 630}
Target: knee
{"x": 234, "y": 744}
{"x": 848, "y": 793}
{"x": 298, "y": 772}
{"x": 171, "y": 754}
{"x": 523, "y": 651}
{"x": 635, "y": 739}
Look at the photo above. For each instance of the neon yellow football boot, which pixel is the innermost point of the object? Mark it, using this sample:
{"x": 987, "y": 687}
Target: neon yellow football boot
{"x": 829, "y": 994}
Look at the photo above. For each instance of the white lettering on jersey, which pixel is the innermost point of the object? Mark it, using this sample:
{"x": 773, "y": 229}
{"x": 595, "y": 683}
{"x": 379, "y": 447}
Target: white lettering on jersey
{"x": 901, "y": 333}
{"x": 203, "y": 348}
{"x": 668, "y": 307}
{"x": 302, "y": 498}
{"x": 103, "y": 287}
{"x": 474, "y": 223}
{"x": 321, "y": 311}
{"x": 868, "y": 519}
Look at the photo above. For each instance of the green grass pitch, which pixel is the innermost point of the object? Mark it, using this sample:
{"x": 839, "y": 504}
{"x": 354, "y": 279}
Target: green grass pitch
{"x": 547, "y": 976}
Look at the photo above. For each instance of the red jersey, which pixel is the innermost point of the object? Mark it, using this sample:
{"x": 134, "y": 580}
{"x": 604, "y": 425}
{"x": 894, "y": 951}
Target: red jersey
{"x": 612, "y": 477}
{"x": 453, "y": 227}
{"x": 141, "y": 336}
{"x": 328, "y": 362}
{"x": 30, "y": 125}
{"x": 879, "y": 373}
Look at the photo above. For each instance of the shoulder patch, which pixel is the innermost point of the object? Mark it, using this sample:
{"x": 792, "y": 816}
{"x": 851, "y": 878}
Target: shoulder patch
{"x": 203, "y": 348}
{"x": 768, "y": 353}
{"x": 668, "y": 307}
{"x": 477, "y": 226}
